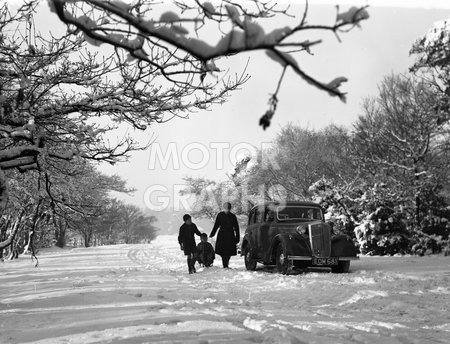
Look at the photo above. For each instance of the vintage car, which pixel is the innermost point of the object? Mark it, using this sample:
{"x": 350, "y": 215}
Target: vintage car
{"x": 294, "y": 235}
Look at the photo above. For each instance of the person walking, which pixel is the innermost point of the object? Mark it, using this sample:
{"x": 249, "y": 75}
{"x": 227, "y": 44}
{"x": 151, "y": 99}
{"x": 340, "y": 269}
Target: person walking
{"x": 228, "y": 236}
{"x": 187, "y": 243}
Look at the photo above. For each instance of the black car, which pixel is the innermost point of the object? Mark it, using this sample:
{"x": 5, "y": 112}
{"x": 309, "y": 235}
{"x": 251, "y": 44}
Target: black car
{"x": 294, "y": 234}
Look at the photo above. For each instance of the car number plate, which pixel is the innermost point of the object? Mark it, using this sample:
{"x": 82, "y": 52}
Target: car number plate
{"x": 325, "y": 261}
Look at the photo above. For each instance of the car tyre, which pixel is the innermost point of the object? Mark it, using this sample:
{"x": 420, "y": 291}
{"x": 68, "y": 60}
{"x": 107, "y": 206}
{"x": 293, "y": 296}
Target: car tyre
{"x": 281, "y": 260}
{"x": 343, "y": 267}
{"x": 250, "y": 262}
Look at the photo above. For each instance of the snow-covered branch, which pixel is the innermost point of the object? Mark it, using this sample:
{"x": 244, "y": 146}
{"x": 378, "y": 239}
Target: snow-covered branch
{"x": 164, "y": 44}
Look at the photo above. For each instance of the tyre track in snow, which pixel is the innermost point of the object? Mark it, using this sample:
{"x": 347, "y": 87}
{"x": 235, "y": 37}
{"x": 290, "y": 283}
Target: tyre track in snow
{"x": 162, "y": 256}
{"x": 134, "y": 254}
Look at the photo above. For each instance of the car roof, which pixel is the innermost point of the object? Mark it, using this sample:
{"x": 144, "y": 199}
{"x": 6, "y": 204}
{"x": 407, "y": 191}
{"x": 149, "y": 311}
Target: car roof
{"x": 288, "y": 203}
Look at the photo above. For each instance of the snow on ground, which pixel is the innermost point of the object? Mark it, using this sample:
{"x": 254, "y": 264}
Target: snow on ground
{"x": 143, "y": 294}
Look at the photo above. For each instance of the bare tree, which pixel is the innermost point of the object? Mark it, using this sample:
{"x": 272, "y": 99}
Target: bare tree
{"x": 59, "y": 100}
{"x": 172, "y": 43}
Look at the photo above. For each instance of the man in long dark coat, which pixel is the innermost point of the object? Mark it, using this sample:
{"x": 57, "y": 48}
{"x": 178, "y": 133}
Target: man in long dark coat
{"x": 187, "y": 241}
{"x": 228, "y": 236}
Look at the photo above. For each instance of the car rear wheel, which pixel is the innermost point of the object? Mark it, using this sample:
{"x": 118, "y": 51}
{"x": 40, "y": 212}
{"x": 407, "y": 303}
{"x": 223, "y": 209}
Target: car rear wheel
{"x": 282, "y": 260}
{"x": 250, "y": 262}
{"x": 343, "y": 267}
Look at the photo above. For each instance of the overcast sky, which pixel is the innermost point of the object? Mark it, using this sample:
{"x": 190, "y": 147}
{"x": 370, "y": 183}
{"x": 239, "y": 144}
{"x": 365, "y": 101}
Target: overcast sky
{"x": 364, "y": 56}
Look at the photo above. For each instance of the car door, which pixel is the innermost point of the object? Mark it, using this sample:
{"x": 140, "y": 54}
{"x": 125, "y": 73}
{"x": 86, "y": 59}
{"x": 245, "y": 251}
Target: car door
{"x": 268, "y": 230}
{"x": 252, "y": 229}
{"x": 258, "y": 235}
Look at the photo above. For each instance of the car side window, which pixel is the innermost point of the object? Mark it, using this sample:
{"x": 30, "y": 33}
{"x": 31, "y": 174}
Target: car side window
{"x": 259, "y": 215}
{"x": 251, "y": 217}
{"x": 269, "y": 215}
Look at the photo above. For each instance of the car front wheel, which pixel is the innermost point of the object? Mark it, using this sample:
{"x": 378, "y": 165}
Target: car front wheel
{"x": 250, "y": 262}
{"x": 343, "y": 267}
{"x": 282, "y": 260}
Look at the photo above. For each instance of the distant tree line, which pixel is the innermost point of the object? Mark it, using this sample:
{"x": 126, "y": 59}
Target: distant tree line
{"x": 86, "y": 213}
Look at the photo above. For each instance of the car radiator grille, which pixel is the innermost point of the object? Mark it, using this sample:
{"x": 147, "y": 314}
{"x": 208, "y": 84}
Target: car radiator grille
{"x": 320, "y": 238}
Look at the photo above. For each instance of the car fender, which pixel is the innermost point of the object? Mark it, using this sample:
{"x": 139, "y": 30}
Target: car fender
{"x": 295, "y": 245}
{"x": 245, "y": 241}
{"x": 342, "y": 246}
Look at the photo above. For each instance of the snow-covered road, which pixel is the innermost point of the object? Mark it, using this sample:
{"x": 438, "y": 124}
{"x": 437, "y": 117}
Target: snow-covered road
{"x": 142, "y": 294}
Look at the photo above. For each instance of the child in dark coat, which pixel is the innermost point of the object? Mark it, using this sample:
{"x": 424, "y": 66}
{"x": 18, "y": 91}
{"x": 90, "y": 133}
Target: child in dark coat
{"x": 205, "y": 251}
{"x": 187, "y": 241}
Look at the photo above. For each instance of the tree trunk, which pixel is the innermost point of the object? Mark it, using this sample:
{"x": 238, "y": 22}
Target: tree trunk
{"x": 87, "y": 237}
{"x": 14, "y": 230}
{"x": 3, "y": 191}
{"x": 60, "y": 233}
{"x": 13, "y": 250}
{"x": 417, "y": 199}
{"x": 29, "y": 246}
{"x": 3, "y": 230}
{"x": 36, "y": 219}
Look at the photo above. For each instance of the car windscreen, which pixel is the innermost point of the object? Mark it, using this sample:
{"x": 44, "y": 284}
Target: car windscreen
{"x": 302, "y": 213}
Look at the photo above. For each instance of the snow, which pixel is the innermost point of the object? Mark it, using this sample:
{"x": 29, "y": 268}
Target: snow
{"x": 438, "y": 34}
{"x": 142, "y": 294}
